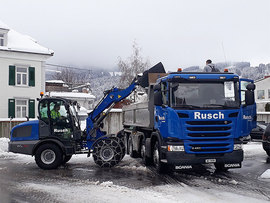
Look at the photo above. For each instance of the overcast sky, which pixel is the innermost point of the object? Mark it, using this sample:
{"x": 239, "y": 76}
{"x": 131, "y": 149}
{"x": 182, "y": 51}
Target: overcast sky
{"x": 178, "y": 33}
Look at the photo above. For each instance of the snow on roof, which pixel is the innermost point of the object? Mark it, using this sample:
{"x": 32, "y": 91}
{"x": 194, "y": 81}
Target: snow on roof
{"x": 55, "y": 81}
{"x": 22, "y": 43}
{"x": 72, "y": 95}
{"x": 3, "y": 26}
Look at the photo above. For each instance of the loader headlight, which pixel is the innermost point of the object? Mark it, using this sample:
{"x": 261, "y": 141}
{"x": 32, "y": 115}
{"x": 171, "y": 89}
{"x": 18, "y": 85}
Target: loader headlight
{"x": 176, "y": 148}
{"x": 237, "y": 147}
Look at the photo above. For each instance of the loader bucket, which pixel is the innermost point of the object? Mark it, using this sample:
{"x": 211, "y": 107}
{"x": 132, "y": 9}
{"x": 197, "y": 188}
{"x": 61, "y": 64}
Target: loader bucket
{"x": 143, "y": 80}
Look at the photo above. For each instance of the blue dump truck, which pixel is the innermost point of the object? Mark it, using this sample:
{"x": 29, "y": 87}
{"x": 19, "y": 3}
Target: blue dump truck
{"x": 189, "y": 119}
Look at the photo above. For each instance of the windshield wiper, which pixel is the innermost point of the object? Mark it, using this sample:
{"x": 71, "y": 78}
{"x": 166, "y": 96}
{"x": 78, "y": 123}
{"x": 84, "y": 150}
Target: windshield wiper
{"x": 189, "y": 106}
{"x": 219, "y": 105}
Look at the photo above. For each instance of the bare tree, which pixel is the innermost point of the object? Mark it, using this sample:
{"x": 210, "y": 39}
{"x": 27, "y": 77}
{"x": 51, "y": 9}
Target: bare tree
{"x": 132, "y": 66}
{"x": 69, "y": 76}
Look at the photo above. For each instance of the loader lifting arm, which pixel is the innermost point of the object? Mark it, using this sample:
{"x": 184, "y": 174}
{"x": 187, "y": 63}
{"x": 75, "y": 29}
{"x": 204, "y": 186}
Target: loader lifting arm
{"x": 111, "y": 97}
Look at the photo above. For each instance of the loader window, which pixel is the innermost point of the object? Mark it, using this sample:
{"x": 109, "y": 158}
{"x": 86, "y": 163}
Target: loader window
{"x": 43, "y": 111}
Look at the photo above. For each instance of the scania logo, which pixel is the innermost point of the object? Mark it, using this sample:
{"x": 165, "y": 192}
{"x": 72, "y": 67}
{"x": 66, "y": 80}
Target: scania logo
{"x": 199, "y": 115}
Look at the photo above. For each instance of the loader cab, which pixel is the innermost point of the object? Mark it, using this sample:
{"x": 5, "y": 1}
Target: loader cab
{"x": 58, "y": 118}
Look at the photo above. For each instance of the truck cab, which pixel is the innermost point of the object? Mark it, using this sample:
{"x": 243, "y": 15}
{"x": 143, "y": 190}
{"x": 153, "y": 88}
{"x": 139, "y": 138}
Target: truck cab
{"x": 193, "y": 118}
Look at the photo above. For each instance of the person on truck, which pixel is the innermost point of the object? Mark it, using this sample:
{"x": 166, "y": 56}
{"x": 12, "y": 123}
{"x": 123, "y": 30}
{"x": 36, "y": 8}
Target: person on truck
{"x": 210, "y": 67}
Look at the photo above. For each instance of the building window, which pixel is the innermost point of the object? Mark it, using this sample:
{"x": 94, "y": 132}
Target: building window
{"x": 21, "y": 108}
{"x": 260, "y": 94}
{"x": 21, "y": 76}
{"x": 268, "y": 93}
{"x": 2, "y": 38}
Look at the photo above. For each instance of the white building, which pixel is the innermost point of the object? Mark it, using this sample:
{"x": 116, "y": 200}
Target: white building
{"x": 22, "y": 78}
{"x": 262, "y": 93}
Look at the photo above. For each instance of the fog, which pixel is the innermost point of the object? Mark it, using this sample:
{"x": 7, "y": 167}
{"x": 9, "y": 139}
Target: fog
{"x": 178, "y": 33}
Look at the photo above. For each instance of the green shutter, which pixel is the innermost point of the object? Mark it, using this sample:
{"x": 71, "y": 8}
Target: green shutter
{"x": 11, "y": 75}
{"x": 31, "y": 76}
{"x": 31, "y": 108}
{"x": 11, "y": 108}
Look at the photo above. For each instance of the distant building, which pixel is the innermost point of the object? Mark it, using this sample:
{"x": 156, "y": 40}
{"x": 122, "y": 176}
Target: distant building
{"x": 22, "y": 78}
{"x": 262, "y": 93}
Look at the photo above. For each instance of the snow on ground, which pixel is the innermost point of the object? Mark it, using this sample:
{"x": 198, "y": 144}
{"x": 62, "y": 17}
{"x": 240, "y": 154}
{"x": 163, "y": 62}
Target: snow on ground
{"x": 89, "y": 191}
{"x": 252, "y": 148}
{"x": 266, "y": 174}
{"x": 108, "y": 192}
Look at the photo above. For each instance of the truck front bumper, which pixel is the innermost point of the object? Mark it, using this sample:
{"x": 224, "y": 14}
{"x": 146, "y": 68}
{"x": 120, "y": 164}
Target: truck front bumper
{"x": 183, "y": 158}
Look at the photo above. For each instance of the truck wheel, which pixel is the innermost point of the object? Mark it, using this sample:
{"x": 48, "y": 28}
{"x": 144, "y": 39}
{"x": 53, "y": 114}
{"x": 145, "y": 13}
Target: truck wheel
{"x": 266, "y": 147}
{"x": 146, "y": 160}
{"x": 159, "y": 166}
{"x": 49, "y": 156}
{"x": 220, "y": 167}
{"x": 107, "y": 152}
{"x": 66, "y": 158}
{"x": 132, "y": 153}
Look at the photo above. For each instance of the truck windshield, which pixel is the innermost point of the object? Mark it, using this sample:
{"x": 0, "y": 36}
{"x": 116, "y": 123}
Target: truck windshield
{"x": 204, "y": 95}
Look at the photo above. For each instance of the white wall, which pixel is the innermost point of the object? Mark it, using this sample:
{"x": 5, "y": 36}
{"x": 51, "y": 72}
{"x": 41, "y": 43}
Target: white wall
{"x": 16, "y": 92}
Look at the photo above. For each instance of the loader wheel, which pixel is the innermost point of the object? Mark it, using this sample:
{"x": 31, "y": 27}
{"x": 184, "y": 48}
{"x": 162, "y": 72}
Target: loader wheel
{"x": 132, "y": 153}
{"x": 49, "y": 156}
{"x": 107, "y": 152}
{"x": 159, "y": 166}
{"x": 66, "y": 158}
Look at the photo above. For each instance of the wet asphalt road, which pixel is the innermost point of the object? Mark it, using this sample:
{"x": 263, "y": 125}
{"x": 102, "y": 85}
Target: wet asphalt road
{"x": 129, "y": 173}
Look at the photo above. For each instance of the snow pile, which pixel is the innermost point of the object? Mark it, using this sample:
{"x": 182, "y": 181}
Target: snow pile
{"x": 3, "y": 146}
{"x": 266, "y": 174}
{"x": 252, "y": 149}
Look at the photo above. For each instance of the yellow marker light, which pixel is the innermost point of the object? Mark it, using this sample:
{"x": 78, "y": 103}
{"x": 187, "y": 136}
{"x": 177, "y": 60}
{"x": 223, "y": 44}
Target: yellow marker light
{"x": 119, "y": 96}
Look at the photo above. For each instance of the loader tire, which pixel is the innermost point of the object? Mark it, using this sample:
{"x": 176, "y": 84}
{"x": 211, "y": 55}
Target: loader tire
{"x": 49, "y": 156}
{"x": 107, "y": 152}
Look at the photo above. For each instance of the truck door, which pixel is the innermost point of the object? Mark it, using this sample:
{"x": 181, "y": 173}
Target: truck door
{"x": 248, "y": 112}
{"x": 60, "y": 120}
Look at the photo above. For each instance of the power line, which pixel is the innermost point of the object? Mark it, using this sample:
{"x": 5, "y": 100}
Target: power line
{"x": 69, "y": 67}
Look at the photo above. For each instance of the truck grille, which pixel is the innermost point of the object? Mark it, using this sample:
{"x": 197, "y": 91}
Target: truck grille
{"x": 209, "y": 136}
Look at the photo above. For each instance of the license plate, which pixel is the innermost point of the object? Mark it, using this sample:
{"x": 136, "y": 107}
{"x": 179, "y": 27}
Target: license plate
{"x": 210, "y": 160}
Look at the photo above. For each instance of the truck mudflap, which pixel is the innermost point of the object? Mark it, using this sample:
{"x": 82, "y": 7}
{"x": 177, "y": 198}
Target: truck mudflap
{"x": 184, "y": 161}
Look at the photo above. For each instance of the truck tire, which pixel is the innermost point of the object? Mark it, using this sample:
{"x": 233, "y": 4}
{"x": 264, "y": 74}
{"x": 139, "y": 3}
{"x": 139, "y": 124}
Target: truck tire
{"x": 132, "y": 153}
{"x": 159, "y": 166}
{"x": 49, "y": 156}
{"x": 220, "y": 167}
{"x": 146, "y": 160}
{"x": 66, "y": 158}
{"x": 266, "y": 147}
{"x": 107, "y": 152}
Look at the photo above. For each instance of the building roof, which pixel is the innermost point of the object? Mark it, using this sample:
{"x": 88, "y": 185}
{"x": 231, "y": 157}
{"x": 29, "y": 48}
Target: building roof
{"x": 22, "y": 43}
{"x": 71, "y": 95}
{"x": 55, "y": 81}
{"x": 261, "y": 79}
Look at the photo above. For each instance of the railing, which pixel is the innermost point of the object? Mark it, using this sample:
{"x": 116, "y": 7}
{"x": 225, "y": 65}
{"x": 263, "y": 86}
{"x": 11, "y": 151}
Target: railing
{"x": 263, "y": 116}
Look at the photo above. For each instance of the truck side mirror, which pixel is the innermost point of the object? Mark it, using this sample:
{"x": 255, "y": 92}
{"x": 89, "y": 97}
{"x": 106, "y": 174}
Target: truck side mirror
{"x": 249, "y": 97}
{"x": 158, "y": 98}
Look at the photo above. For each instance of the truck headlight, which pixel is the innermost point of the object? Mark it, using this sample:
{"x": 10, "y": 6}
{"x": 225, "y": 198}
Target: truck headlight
{"x": 237, "y": 147}
{"x": 176, "y": 148}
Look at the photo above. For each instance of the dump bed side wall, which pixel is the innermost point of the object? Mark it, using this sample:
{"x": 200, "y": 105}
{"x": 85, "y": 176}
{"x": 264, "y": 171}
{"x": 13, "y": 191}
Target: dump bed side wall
{"x": 140, "y": 114}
